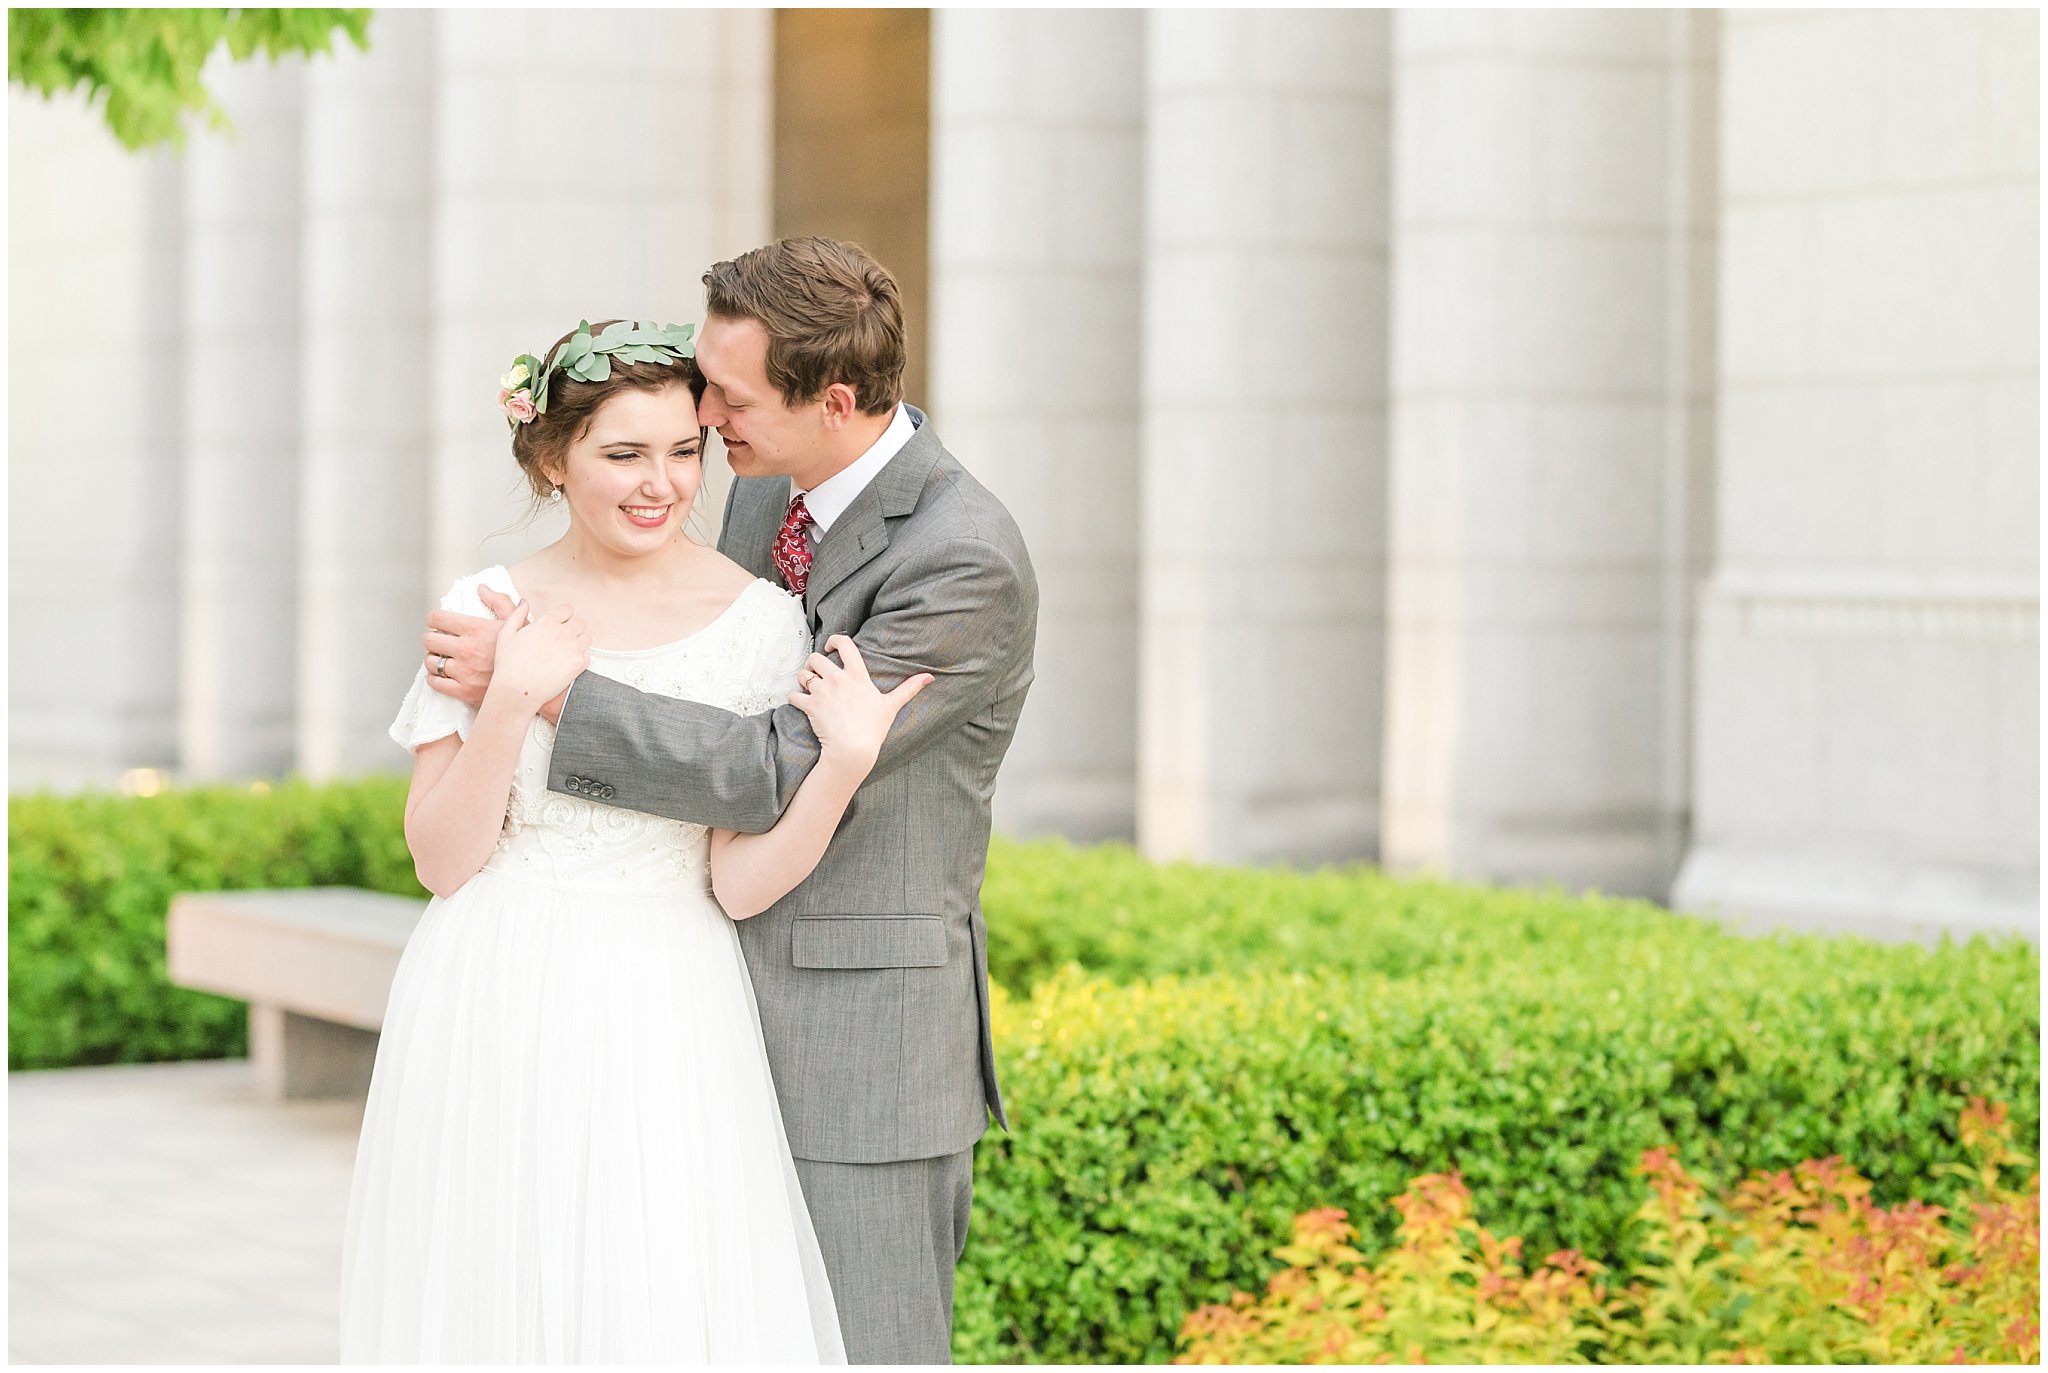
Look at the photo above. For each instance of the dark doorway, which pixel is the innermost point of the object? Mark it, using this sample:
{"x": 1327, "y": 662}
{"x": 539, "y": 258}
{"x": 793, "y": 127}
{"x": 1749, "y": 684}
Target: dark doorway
{"x": 853, "y": 143}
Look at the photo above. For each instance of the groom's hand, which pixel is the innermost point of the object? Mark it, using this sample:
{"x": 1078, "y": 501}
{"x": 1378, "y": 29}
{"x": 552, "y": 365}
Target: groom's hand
{"x": 462, "y": 652}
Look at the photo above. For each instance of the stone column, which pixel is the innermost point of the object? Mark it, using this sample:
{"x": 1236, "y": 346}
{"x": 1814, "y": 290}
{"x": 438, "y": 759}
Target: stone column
{"x": 543, "y": 218}
{"x": 1551, "y": 339}
{"x": 93, "y": 438}
{"x": 1264, "y": 383}
{"x": 239, "y": 571}
{"x": 1037, "y": 169}
{"x": 364, "y": 412}
{"x": 1870, "y": 692}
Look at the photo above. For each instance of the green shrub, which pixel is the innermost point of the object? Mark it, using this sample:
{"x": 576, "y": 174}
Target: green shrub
{"x": 1167, "y": 1132}
{"x": 89, "y": 879}
{"x": 1307, "y": 1036}
{"x": 1110, "y": 911}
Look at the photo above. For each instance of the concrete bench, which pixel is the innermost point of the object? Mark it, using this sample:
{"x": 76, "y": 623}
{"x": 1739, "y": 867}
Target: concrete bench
{"x": 315, "y": 966}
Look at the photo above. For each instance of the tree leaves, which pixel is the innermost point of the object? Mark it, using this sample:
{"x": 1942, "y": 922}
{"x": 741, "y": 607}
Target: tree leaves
{"x": 146, "y": 62}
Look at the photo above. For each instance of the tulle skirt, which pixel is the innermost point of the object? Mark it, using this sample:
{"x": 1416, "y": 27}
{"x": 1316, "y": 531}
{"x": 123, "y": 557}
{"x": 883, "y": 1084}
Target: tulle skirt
{"x": 571, "y": 1151}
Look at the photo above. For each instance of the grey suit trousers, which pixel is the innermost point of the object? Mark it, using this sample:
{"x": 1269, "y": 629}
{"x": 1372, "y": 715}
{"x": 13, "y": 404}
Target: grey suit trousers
{"x": 891, "y": 1233}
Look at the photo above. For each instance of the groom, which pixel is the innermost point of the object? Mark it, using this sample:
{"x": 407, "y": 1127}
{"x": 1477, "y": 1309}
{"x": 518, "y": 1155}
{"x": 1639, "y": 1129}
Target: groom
{"x": 872, "y": 975}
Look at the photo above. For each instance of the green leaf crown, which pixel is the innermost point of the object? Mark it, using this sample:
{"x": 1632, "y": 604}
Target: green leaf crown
{"x": 523, "y": 391}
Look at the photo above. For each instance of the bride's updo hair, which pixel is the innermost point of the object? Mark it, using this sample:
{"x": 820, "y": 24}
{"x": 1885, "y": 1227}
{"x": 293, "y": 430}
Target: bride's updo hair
{"x": 544, "y": 441}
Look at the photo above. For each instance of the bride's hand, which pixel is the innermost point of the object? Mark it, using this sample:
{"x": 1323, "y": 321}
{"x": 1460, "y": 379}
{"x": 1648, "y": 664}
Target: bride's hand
{"x": 538, "y": 658}
{"x": 848, "y": 713}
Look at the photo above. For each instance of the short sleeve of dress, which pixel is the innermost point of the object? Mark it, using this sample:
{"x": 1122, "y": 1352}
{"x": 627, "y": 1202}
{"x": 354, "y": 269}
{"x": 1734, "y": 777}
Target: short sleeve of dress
{"x": 784, "y": 639}
{"x": 427, "y": 715}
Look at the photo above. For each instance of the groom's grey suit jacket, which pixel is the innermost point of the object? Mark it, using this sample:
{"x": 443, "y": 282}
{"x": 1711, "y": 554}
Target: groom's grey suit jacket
{"x": 872, "y": 975}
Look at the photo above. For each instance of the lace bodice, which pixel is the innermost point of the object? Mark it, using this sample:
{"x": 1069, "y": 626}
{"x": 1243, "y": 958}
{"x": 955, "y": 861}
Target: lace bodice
{"x": 745, "y": 661}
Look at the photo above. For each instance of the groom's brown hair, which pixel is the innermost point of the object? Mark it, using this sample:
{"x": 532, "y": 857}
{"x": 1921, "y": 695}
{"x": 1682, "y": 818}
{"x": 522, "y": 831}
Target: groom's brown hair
{"x": 833, "y": 314}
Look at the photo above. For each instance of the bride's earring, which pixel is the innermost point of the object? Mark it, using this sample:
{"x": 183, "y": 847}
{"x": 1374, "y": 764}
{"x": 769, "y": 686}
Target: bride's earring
{"x": 554, "y": 493}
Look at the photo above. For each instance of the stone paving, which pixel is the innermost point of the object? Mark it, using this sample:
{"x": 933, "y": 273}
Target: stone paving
{"x": 163, "y": 1213}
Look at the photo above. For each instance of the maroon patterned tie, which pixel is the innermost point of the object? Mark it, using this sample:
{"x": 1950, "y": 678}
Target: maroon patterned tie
{"x": 792, "y": 554}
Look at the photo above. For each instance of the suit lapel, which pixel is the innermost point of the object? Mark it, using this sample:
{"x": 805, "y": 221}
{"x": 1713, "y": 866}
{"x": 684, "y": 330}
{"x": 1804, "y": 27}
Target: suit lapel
{"x": 751, "y": 522}
{"x": 856, "y": 536}
{"x": 863, "y": 531}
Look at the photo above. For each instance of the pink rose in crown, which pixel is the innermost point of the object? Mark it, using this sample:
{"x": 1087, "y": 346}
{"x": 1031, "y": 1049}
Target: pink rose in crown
{"x": 518, "y": 404}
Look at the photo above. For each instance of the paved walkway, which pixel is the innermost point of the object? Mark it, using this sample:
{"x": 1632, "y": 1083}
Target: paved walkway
{"x": 162, "y": 1213}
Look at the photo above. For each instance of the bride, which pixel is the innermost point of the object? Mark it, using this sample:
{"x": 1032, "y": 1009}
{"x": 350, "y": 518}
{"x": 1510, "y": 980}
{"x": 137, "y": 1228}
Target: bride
{"x": 571, "y": 1150}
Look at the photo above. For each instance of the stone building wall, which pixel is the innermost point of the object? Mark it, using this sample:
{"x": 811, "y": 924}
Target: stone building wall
{"x": 1553, "y": 343}
{"x": 94, "y": 438}
{"x": 310, "y": 315}
{"x": 1593, "y": 446}
{"x": 1868, "y": 733}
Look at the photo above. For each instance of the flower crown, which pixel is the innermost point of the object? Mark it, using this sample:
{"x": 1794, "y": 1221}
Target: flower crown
{"x": 523, "y": 391}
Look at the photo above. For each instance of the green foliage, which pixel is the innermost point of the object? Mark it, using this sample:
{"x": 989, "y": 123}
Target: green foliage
{"x": 523, "y": 391}
{"x": 147, "y": 61}
{"x": 1112, "y": 912}
{"x": 89, "y": 879}
{"x": 1245, "y": 1044}
{"x": 1167, "y": 1131}
{"x": 590, "y": 359}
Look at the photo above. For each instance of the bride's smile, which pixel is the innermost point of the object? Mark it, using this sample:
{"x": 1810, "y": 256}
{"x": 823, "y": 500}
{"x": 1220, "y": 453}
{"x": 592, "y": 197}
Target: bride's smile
{"x": 631, "y": 479}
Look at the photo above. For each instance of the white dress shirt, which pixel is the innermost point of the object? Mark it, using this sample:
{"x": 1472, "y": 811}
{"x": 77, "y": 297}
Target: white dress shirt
{"x": 828, "y": 500}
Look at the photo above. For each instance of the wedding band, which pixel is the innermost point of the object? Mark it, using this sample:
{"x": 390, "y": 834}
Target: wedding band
{"x": 441, "y": 667}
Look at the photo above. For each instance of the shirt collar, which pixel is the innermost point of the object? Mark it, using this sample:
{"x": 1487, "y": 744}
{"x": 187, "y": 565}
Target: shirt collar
{"x": 828, "y": 500}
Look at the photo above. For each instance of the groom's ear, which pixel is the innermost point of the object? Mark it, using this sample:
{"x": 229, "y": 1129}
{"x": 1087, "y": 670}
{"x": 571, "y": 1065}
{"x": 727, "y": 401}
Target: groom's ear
{"x": 841, "y": 404}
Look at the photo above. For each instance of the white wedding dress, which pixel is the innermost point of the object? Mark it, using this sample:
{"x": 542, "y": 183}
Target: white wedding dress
{"x": 571, "y": 1151}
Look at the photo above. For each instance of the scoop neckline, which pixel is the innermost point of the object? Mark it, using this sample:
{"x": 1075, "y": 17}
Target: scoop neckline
{"x": 699, "y": 632}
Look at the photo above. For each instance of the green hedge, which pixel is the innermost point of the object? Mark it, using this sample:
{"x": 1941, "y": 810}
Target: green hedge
{"x": 1108, "y": 910}
{"x": 89, "y": 879}
{"x": 1308, "y": 1039}
{"x": 1167, "y": 1131}
{"x": 91, "y": 876}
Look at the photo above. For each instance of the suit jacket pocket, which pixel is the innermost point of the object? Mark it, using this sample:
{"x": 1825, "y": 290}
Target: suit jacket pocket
{"x": 867, "y": 941}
